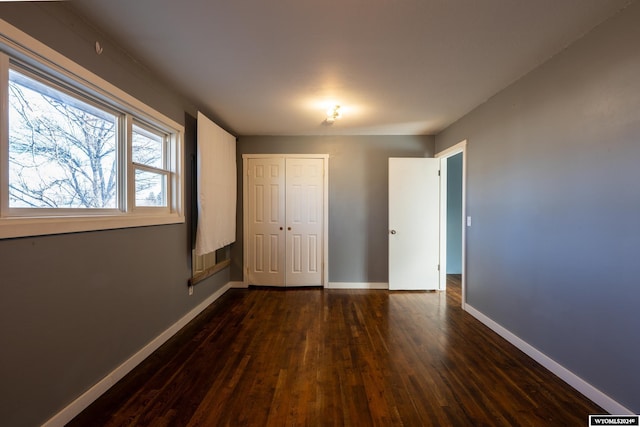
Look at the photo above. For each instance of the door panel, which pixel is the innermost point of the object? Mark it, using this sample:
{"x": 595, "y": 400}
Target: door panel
{"x": 304, "y": 211}
{"x": 266, "y": 210}
{"x": 414, "y": 223}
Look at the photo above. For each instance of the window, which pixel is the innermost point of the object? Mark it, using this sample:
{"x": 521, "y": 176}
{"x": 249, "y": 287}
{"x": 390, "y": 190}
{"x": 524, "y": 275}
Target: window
{"x": 76, "y": 153}
{"x": 62, "y": 150}
{"x": 150, "y": 167}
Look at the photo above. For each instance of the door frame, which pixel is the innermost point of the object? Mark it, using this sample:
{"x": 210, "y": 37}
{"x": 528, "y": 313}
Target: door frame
{"x": 443, "y": 155}
{"x": 325, "y": 211}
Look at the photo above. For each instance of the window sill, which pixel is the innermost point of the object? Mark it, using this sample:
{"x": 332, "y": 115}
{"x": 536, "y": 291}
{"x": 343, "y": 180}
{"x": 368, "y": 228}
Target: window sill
{"x": 26, "y": 227}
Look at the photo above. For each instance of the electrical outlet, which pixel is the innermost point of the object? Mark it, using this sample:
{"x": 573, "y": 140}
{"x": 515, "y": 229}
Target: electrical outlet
{"x": 190, "y": 289}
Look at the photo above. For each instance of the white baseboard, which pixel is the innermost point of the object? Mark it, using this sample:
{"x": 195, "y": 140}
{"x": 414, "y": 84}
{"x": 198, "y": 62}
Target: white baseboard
{"x": 357, "y": 285}
{"x": 82, "y": 402}
{"x": 239, "y": 285}
{"x": 589, "y": 391}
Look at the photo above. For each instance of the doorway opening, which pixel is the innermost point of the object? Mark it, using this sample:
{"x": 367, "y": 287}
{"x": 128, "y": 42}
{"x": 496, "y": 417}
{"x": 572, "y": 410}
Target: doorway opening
{"x": 453, "y": 217}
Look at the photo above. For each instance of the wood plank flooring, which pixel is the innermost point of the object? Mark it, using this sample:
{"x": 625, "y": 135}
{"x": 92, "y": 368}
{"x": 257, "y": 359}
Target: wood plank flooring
{"x": 271, "y": 357}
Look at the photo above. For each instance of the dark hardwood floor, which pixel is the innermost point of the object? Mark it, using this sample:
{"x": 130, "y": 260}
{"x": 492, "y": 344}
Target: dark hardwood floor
{"x": 338, "y": 358}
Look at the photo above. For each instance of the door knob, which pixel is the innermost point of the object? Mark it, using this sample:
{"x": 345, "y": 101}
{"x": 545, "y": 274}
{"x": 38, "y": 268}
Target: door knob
{"x": 393, "y": 231}
{"x": 289, "y": 228}
{"x": 281, "y": 228}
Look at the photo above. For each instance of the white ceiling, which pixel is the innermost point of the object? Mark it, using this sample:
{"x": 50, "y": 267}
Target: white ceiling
{"x": 272, "y": 67}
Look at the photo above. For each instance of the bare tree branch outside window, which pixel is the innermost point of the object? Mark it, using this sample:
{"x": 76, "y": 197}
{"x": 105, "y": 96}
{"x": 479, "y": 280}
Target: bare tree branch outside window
{"x": 148, "y": 149}
{"x": 63, "y": 151}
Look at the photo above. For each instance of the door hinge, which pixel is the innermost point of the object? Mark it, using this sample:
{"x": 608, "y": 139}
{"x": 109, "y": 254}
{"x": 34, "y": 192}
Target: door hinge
{"x": 438, "y": 267}
{"x": 438, "y": 172}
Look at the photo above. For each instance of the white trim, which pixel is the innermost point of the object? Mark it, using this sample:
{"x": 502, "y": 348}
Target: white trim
{"x": 325, "y": 223}
{"x": 20, "y": 227}
{"x": 460, "y": 147}
{"x": 285, "y": 156}
{"x": 444, "y": 194}
{"x": 88, "y": 397}
{"x": 245, "y": 204}
{"x": 357, "y": 285}
{"x": 589, "y": 391}
{"x": 245, "y": 222}
{"x": 238, "y": 285}
{"x": 453, "y": 150}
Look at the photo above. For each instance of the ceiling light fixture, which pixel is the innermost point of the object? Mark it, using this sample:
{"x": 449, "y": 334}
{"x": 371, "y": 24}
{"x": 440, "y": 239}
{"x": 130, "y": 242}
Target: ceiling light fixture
{"x": 333, "y": 114}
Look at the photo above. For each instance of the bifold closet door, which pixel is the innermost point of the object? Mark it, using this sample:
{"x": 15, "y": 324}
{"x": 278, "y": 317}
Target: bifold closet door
{"x": 285, "y": 214}
{"x": 304, "y": 217}
{"x": 266, "y": 221}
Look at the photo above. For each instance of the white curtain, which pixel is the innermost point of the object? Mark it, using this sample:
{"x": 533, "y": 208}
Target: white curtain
{"x": 216, "y": 169}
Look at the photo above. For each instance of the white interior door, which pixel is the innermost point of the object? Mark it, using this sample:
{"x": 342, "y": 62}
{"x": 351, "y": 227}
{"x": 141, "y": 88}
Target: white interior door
{"x": 414, "y": 223}
{"x": 265, "y": 212}
{"x": 304, "y": 217}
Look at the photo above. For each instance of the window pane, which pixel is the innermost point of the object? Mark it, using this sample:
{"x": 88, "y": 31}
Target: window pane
{"x": 150, "y": 188}
{"x": 147, "y": 147}
{"x": 62, "y": 151}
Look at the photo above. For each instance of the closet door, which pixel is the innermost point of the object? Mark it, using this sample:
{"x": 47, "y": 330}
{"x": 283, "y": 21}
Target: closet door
{"x": 285, "y": 221}
{"x": 265, "y": 213}
{"x": 304, "y": 219}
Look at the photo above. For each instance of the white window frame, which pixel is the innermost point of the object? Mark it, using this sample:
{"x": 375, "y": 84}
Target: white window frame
{"x": 165, "y": 170}
{"x": 17, "y": 46}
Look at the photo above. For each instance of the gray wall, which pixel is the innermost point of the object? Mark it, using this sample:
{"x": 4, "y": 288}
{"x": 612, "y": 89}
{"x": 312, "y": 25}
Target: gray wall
{"x": 74, "y": 307}
{"x": 454, "y": 214}
{"x": 358, "y": 196}
{"x": 552, "y": 162}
